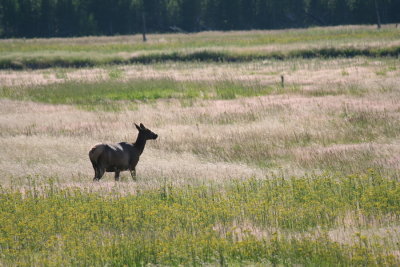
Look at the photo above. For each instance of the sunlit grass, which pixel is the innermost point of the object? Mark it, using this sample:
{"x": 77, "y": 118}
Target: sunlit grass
{"x": 246, "y": 170}
{"x": 109, "y": 93}
{"x": 275, "y": 221}
{"x": 199, "y": 40}
{"x": 330, "y": 42}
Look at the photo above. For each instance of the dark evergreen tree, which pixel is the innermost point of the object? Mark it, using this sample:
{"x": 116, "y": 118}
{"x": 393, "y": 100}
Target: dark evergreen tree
{"x": 47, "y": 18}
{"x": 9, "y": 15}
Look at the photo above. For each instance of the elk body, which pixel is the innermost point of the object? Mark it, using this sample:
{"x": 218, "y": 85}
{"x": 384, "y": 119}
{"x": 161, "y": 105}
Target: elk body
{"x": 121, "y": 156}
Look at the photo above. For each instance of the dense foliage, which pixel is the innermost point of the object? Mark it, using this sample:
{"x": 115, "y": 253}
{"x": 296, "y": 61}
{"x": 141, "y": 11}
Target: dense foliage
{"x": 49, "y": 18}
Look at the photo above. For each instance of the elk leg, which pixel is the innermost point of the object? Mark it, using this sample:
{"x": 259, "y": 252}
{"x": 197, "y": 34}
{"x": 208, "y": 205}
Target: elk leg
{"x": 95, "y": 175}
{"x": 100, "y": 173}
{"x": 95, "y": 171}
{"x": 133, "y": 174}
{"x": 117, "y": 175}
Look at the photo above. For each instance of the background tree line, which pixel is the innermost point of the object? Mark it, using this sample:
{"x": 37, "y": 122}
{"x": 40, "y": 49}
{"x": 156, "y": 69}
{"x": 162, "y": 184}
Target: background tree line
{"x": 50, "y": 18}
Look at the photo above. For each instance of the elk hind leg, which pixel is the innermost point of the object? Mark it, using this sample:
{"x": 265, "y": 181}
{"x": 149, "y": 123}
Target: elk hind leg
{"x": 133, "y": 174}
{"x": 95, "y": 171}
{"x": 99, "y": 173}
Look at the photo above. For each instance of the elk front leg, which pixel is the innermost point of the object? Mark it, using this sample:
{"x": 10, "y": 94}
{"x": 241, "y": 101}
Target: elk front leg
{"x": 133, "y": 174}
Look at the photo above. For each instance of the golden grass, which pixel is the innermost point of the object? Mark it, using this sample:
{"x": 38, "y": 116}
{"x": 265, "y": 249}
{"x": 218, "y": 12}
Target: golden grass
{"x": 334, "y": 115}
{"x": 340, "y": 116}
{"x": 311, "y": 75}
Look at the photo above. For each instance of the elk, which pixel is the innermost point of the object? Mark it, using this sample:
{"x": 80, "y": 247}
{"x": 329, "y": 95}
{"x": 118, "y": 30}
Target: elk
{"x": 121, "y": 156}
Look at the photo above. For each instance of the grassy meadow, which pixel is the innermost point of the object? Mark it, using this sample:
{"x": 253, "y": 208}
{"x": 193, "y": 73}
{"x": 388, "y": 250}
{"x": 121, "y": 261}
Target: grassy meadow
{"x": 247, "y": 170}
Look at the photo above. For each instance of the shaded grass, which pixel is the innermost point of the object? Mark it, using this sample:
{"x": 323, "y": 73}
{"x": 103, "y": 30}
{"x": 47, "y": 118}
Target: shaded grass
{"x": 266, "y": 221}
{"x": 79, "y": 61}
{"x": 221, "y": 56}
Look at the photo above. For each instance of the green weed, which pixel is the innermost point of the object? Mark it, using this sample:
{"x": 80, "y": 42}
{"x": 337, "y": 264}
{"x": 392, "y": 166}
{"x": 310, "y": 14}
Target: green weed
{"x": 111, "y": 92}
{"x": 115, "y": 73}
{"x": 265, "y": 221}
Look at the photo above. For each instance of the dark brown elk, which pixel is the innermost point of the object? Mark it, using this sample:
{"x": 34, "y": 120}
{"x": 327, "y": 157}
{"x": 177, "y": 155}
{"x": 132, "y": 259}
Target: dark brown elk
{"x": 121, "y": 156}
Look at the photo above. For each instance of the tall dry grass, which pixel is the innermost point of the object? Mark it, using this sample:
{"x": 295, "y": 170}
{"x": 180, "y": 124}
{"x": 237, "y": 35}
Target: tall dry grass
{"x": 331, "y": 116}
{"x": 335, "y": 115}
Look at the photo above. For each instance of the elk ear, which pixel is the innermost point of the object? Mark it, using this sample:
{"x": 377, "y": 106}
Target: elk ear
{"x": 142, "y": 126}
{"x": 137, "y": 127}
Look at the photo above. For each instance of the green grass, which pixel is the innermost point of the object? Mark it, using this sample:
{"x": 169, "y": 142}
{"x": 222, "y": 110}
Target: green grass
{"x": 200, "y": 40}
{"x": 199, "y": 225}
{"x": 208, "y": 46}
{"x": 272, "y": 221}
{"x": 110, "y": 93}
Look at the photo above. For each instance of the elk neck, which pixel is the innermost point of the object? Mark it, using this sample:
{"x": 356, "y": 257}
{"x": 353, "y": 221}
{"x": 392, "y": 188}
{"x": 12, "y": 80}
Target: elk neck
{"x": 140, "y": 143}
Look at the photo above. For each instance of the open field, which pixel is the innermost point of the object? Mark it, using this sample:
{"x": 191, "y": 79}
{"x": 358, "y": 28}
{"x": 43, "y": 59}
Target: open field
{"x": 246, "y": 170}
{"x": 343, "y": 41}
